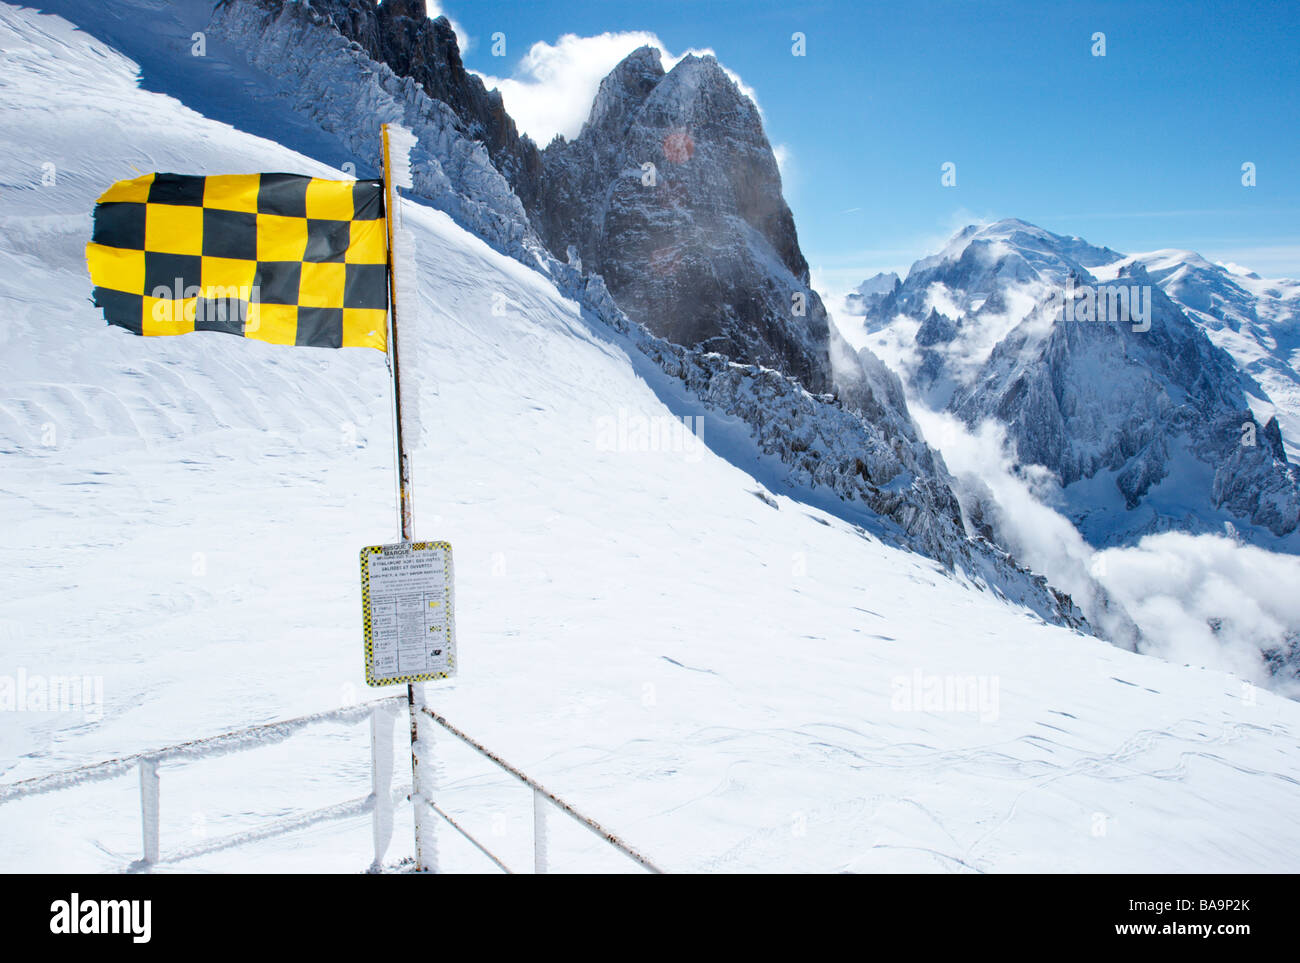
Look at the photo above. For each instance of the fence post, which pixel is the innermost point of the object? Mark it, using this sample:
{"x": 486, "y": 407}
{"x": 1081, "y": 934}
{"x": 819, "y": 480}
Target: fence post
{"x": 539, "y": 833}
{"x": 382, "y": 718}
{"x": 149, "y": 810}
{"x": 422, "y": 783}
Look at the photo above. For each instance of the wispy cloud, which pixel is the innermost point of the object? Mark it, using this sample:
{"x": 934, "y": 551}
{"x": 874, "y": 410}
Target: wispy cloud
{"x": 837, "y": 273}
{"x": 1267, "y": 260}
{"x": 1197, "y": 599}
{"x": 783, "y": 156}
{"x": 1189, "y": 212}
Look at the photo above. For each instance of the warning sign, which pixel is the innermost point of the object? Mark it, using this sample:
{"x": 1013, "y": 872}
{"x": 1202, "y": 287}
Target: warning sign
{"x": 409, "y": 611}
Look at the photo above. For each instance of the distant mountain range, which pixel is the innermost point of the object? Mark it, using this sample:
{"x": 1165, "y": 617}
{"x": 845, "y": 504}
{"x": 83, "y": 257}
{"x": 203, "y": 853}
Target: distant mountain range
{"x": 1175, "y": 415}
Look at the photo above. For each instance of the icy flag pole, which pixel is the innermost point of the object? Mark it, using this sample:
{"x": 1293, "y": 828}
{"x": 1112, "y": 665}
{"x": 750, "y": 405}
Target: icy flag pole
{"x": 398, "y": 142}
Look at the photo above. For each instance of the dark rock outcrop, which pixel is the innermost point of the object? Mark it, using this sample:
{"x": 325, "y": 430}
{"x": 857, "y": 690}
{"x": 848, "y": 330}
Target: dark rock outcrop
{"x": 400, "y": 34}
{"x": 671, "y": 192}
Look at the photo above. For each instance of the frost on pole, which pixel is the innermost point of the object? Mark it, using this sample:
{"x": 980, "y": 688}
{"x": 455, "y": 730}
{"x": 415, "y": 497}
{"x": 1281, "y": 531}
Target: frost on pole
{"x": 408, "y": 609}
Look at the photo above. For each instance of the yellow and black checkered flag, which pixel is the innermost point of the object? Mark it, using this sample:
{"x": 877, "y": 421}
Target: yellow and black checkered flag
{"x": 282, "y": 258}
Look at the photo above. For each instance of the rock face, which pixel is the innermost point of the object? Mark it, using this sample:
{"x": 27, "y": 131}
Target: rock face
{"x": 334, "y": 83}
{"x": 1143, "y": 422}
{"x": 671, "y": 192}
{"x": 865, "y": 298}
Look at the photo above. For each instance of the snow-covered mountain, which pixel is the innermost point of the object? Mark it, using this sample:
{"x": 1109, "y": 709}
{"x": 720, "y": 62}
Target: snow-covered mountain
{"x": 861, "y": 299}
{"x": 1256, "y": 320}
{"x": 1142, "y": 423}
{"x": 698, "y": 641}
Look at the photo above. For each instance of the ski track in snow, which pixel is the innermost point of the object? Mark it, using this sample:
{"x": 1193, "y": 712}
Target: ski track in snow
{"x": 189, "y": 532}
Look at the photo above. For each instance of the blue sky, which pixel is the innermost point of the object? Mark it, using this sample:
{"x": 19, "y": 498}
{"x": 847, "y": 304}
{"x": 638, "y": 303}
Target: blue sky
{"x": 1140, "y": 149}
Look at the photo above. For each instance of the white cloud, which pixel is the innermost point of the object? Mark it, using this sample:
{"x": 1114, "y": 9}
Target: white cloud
{"x": 1208, "y": 600}
{"x": 551, "y": 89}
{"x": 1268, "y": 260}
{"x": 783, "y": 156}
{"x": 1203, "y": 600}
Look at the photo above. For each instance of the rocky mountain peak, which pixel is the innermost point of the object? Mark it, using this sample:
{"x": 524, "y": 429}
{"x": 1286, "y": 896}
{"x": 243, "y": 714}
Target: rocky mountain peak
{"x": 935, "y": 329}
{"x": 625, "y": 89}
{"x": 671, "y": 192}
{"x": 416, "y": 10}
{"x": 699, "y": 80}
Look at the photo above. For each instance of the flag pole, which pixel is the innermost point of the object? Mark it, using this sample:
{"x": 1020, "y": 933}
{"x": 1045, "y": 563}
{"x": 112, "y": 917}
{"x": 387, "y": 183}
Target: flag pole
{"x": 414, "y": 691}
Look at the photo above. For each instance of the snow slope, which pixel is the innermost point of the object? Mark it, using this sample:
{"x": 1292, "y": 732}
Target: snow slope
{"x": 723, "y": 679}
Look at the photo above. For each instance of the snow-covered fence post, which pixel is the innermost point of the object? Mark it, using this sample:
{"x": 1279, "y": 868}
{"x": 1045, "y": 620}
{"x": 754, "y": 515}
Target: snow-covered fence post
{"x": 539, "y": 833}
{"x": 382, "y": 718}
{"x": 422, "y": 786}
{"x": 149, "y": 810}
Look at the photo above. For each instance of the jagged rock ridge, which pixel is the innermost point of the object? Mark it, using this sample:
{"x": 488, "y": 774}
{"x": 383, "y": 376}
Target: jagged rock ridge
{"x": 700, "y": 247}
{"x": 400, "y": 33}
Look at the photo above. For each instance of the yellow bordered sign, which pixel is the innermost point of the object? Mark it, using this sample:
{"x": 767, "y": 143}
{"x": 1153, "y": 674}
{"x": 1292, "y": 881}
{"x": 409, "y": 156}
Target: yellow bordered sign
{"x": 408, "y": 607}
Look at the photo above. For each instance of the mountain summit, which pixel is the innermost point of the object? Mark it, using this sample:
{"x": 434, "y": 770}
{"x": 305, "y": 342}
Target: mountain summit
{"x": 1143, "y": 421}
{"x": 671, "y": 192}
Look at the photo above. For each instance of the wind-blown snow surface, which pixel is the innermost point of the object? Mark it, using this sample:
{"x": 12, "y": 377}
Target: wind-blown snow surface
{"x": 719, "y": 678}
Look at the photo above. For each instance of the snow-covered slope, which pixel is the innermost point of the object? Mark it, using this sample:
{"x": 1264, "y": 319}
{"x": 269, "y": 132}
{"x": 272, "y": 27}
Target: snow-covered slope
{"x": 730, "y": 682}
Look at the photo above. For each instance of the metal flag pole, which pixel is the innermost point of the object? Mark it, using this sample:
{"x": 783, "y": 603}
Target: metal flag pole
{"x": 424, "y": 854}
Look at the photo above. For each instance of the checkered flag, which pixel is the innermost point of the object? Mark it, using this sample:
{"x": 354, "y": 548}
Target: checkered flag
{"x": 282, "y": 258}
